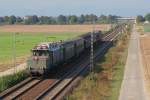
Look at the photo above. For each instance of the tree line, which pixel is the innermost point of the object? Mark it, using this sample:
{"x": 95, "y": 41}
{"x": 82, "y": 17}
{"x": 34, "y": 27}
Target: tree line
{"x": 61, "y": 19}
{"x": 141, "y": 18}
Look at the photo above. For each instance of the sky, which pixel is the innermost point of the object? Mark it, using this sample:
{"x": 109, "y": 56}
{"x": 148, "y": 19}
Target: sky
{"x": 76, "y": 7}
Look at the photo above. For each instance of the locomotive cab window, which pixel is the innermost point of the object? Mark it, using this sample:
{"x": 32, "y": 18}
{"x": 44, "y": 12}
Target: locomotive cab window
{"x": 34, "y": 53}
{"x": 40, "y": 53}
{"x": 44, "y": 53}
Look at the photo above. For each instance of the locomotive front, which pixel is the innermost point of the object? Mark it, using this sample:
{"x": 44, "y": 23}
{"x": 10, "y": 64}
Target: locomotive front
{"x": 39, "y": 60}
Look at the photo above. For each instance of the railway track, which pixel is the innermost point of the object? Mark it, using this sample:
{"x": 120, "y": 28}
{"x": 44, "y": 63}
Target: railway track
{"x": 22, "y": 91}
{"x": 55, "y": 92}
{"x": 19, "y": 89}
{"x": 53, "y": 87}
{"x": 48, "y": 85}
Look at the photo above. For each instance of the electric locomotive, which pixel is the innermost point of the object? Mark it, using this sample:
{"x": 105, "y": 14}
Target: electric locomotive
{"x": 48, "y": 55}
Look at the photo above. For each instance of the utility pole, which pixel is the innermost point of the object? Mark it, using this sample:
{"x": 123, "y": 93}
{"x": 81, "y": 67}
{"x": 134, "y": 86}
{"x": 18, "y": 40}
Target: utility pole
{"x": 92, "y": 49}
{"x": 14, "y": 52}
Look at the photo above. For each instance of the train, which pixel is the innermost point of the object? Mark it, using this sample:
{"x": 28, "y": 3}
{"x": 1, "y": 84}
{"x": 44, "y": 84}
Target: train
{"x": 48, "y": 55}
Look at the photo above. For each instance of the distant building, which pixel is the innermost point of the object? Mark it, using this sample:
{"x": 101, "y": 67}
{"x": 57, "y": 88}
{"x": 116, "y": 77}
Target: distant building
{"x": 126, "y": 19}
{"x": 26, "y": 17}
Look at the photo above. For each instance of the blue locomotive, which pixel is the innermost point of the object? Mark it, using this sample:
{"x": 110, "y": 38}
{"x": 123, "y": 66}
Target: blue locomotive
{"x": 48, "y": 55}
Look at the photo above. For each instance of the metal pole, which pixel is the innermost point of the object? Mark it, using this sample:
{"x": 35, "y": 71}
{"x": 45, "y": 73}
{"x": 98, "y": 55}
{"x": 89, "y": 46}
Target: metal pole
{"x": 92, "y": 49}
{"x": 14, "y": 52}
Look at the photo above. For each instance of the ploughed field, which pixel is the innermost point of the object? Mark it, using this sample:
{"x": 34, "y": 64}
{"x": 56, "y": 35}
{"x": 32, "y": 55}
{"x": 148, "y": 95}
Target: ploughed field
{"x": 145, "y": 51}
{"x": 52, "y": 28}
{"x": 28, "y": 36}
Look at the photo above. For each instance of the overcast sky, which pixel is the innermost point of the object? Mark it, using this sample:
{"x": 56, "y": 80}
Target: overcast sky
{"x": 77, "y": 7}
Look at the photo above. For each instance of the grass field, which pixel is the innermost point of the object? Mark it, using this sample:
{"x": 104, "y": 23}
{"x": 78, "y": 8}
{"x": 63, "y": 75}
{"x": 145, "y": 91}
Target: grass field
{"x": 24, "y": 43}
{"x": 147, "y": 28}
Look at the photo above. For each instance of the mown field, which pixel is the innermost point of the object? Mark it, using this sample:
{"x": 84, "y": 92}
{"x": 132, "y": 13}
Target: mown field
{"x": 29, "y": 35}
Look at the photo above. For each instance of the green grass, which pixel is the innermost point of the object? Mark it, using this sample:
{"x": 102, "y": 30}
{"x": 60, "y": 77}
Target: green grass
{"x": 107, "y": 77}
{"x": 25, "y": 41}
{"x": 10, "y": 80}
{"x": 147, "y": 28}
{"x": 117, "y": 77}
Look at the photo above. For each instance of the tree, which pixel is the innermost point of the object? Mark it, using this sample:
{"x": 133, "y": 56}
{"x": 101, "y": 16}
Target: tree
{"x": 46, "y": 20}
{"x": 107, "y": 19}
{"x": 140, "y": 19}
{"x": 72, "y": 19}
{"x": 81, "y": 19}
{"x": 90, "y": 18}
{"x": 61, "y": 19}
{"x": 19, "y": 20}
{"x": 35, "y": 19}
{"x": 12, "y": 20}
{"x": 1, "y": 20}
{"x": 31, "y": 19}
{"x": 102, "y": 19}
{"x": 111, "y": 19}
{"x": 6, "y": 19}
{"x": 147, "y": 17}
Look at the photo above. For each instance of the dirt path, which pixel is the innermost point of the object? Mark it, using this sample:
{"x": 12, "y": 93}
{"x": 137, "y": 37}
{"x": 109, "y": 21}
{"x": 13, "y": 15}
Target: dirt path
{"x": 133, "y": 86}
